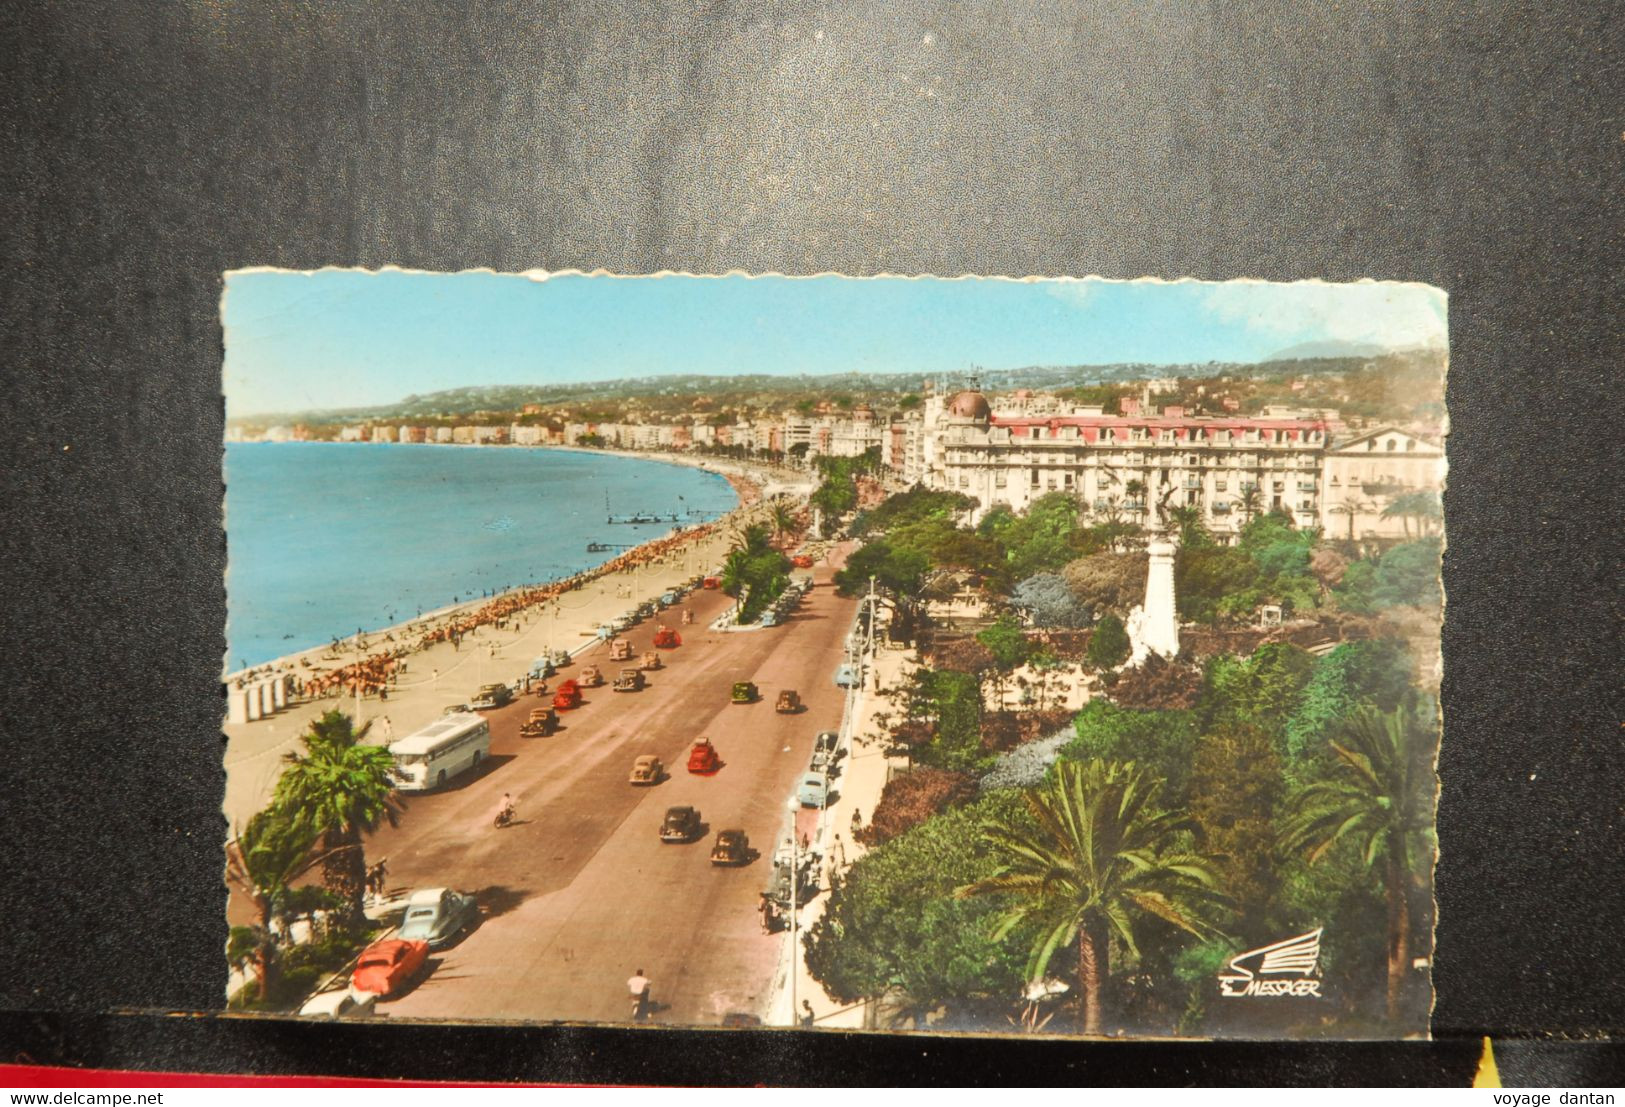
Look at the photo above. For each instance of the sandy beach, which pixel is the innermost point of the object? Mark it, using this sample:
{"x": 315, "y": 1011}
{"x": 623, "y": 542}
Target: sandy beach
{"x": 428, "y": 663}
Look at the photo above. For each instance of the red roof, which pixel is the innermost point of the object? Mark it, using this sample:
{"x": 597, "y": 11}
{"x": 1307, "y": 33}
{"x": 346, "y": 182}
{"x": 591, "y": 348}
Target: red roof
{"x": 1091, "y": 425}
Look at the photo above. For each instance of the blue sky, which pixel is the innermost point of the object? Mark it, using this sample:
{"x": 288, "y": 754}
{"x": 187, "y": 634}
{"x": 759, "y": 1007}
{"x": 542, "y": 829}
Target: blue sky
{"x": 345, "y": 338}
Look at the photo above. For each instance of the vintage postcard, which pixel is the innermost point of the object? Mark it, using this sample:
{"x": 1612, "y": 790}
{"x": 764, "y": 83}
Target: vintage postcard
{"x": 975, "y": 655}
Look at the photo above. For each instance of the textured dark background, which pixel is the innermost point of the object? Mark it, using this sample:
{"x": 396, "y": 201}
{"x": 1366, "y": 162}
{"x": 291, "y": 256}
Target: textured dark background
{"x": 147, "y": 148}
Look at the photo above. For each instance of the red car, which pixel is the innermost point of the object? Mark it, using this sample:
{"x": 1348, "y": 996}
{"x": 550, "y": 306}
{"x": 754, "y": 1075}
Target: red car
{"x": 568, "y": 696}
{"x": 802, "y": 561}
{"x": 703, "y": 758}
{"x": 712, "y": 582}
{"x": 667, "y": 639}
{"x": 385, "y": 966}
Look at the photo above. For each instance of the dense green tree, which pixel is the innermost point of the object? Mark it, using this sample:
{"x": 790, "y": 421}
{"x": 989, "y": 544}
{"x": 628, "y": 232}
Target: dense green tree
{"x": 950, "y": 702}
{"x": 1379, "y": 797}
{"x": 895, "y": 570}
{"x": 339, "y": 789}
{"x": 1108, "y": 582}
{"x": 1406, "y": 575}
{"x": 1206, "y": 579}
{"x": 893, "y": 928}
{"x": 1047, "y": 601}
{"x": 1163, "y": 742}
{"x": 917, "y": 505}
{"x": 1109, "y": 645}
{"x": 1374, "y": 672}
{"x": 262, "y": 863}
{"x": 1188, "y": 522}
{"x": 1235, "y": 790}
{"x": 754, "y": 572}
{"x": 1263, "y": 689}
{"x": 1102, "y": 859}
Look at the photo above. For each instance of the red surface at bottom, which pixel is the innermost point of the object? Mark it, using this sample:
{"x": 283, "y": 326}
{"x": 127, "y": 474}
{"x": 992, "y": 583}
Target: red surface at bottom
{"x": 48, "y": 1076}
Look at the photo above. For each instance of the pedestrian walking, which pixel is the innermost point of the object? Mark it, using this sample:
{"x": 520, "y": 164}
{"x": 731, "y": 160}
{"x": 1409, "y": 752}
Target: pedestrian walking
{"x": 857, "y": 821}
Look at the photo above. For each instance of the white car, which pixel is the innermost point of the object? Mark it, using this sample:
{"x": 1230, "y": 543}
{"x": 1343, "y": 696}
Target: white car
{"x": 342, "y": 1004}
{"x": 437, "y": 915}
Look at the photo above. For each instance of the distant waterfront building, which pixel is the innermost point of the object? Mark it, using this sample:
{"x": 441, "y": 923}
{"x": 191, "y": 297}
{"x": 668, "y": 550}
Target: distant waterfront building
{"x": 527, "y": 436}
{"x": 444, "y": 435}
{"x": 462, "y": 436}
{"x": 352, "y": 434}
{"x": 412, "y": 434}
{"x": 1128, "y": 466}
{"x": 1366, "y": 476}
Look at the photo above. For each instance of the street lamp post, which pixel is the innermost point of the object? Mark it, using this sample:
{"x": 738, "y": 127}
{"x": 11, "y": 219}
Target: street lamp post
{"x": 795, "y": 902}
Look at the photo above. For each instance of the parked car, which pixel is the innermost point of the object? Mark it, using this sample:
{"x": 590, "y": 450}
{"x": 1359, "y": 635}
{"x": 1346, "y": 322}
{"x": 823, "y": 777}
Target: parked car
{"x": 543, "y": 667}
{"x": 732, "y": 848}
{"x": 702, "y": 758}
{"x": 386, "y": 966}
{"x": 769, "y": 619}
{"x": 846, "y": 676}
{"x": 630, "y": 680}
{"x": 711, "y": 583}
{"x": 828, "y": 741}
{"x": 813, "y": 791}
{"x": 668, "y": 598}
{"x": 802, "y": 561}
{"x": 744, "y": 692}
{"x": 457, "y": 709}
{"x": 342, "y": 1004}
{"x": 491, "y": 696}
{"x": 682, "y": 824}
{"x": 437, "y": 915}
{"x": 646, "y": 770}
{"x": 789, "y": 702}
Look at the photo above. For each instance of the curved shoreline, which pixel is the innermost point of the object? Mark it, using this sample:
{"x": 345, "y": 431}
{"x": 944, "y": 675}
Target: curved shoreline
{"x": 386, "y": 645}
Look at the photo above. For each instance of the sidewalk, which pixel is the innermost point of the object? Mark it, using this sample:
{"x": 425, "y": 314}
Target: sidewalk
{"x": 864, "y": 772}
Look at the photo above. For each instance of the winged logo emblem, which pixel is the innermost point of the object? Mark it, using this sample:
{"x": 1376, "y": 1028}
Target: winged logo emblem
{"x": 1293, "y": 961}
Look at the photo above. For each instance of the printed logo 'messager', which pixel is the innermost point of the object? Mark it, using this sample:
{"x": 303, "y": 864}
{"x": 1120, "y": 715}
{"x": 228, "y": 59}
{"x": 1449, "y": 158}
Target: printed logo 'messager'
{"x": 1294, "y": 962}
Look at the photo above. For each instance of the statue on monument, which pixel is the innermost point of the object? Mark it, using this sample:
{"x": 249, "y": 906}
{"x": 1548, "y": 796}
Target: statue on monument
{"x": 1153, "y": 627}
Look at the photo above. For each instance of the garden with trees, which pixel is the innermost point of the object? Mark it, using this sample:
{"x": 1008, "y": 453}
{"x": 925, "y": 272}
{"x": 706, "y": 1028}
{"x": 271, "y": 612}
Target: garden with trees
{"x": 1271, "y": 781}
{"x": 331, "y": 792}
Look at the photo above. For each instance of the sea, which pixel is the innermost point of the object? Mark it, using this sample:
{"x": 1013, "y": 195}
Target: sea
{"x": 324, "y": 539}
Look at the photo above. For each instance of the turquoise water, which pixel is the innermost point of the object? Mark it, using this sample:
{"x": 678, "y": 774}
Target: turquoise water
{"x": 324, "y": 539}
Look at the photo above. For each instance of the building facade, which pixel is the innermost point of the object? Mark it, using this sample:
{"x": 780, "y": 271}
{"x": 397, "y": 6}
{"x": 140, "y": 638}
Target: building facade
{"x": 1373, "y": 482}
{"x": 1133, "y": 467}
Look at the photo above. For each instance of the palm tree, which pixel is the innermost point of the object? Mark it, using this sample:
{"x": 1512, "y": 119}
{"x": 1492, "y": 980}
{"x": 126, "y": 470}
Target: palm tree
{"x": 1102, "y": 859}
{"x": 1380, "y": 797}
{"x": 264, "y": 860}
{"x": 1351, "y": 506}
{"x": 782, "y": 516}
{"x": 339, "y": 789}
{"x": 1421, "y": 506}
{"x": 1251, "y": 503}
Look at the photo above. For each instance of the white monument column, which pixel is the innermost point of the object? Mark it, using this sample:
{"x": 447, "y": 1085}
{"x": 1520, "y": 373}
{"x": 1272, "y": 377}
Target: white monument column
{"x": 279, "y": 693}
{"x": 237, "y": 706}
{"x": 253, "y": 697}
{"x": 1154, "y": 625}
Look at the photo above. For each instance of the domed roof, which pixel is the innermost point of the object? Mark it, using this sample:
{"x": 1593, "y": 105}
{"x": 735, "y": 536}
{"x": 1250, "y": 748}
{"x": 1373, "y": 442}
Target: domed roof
{"x": 969, "y": 404}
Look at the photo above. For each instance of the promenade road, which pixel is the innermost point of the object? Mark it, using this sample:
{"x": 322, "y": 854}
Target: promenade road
{"x": 580, "y": 891}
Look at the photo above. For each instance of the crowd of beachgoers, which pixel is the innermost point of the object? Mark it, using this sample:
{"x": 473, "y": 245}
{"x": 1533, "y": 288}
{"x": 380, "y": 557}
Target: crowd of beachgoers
{"x": 377, "y": 671}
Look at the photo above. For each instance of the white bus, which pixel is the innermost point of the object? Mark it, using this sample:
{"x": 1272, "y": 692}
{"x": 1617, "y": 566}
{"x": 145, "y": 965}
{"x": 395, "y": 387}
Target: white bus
{"x": 450, "y": 745}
